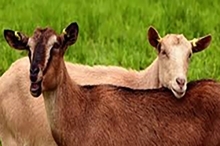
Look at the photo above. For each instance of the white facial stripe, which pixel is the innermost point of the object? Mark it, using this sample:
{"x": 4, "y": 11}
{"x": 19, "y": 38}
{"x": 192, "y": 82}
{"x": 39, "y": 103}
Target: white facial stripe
{"x": 31, "y": 45}
{"x": 180, "y": 57}
{"x": 49, "y": 46}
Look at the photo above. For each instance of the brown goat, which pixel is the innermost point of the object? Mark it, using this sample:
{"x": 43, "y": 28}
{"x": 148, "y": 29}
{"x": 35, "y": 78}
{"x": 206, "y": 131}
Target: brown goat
{"x": 111, "y": 115}
{"x": 16, "y": 102}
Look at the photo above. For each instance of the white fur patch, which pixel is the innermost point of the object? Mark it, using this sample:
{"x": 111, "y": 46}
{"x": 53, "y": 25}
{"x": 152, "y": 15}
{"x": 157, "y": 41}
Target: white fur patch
{"x": 31, "y": 44}
{"x": 49, "y": 46}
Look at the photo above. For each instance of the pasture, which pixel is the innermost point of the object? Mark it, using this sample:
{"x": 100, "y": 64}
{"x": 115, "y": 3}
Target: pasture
{"x": 114, "y": 32}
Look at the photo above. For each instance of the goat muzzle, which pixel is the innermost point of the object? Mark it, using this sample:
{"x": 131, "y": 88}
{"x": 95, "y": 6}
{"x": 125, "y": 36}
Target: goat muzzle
{"x": 34, "y": 74}
{"x": 36, "y": 89}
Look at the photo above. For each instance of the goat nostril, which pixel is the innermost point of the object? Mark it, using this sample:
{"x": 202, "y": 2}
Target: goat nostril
{"x": 33, "y": 78}
{"x": 180, "y": 81}
{"x": 34, "y": 70}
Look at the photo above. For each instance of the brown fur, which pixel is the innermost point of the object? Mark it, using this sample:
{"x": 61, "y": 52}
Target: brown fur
{"x": 110, "y": 115}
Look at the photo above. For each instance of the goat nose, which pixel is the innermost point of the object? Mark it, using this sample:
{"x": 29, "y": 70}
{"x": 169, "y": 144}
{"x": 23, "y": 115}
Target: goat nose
{"x": 181, "y": 82}
{"x": 34, "y": 70}
{"x": 33, "y": 73}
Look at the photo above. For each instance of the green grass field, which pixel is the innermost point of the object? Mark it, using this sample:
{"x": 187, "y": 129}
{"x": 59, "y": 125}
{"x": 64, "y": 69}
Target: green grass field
{"x": 114, "y": 32}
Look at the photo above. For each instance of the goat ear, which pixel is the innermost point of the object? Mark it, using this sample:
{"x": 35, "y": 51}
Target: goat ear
{"x": 201, "y": 43}
{"x": 153, "y": 37}
{"x": 16, "y": 39}
{"x": 71, "y": 33}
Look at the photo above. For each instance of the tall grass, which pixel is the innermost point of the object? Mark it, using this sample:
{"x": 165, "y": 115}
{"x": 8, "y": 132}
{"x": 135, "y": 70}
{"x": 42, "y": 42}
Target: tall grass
{"x": 114, "y": 32}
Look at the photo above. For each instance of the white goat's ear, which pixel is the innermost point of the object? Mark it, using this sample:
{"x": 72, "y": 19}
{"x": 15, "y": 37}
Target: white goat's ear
{"x": 201, "y": 43}
{"x": 153, "y": 37}
{"x": 16, "y": 39}
{"x": 70, "y": 33}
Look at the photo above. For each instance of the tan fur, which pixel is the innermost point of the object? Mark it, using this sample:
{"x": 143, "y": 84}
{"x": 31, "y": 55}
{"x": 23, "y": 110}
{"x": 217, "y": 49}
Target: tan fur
{"x": 23, "y": 118}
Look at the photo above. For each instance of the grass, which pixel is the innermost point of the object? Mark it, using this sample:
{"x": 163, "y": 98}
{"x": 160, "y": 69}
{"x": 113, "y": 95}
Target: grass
{"x": 114, "y": 32}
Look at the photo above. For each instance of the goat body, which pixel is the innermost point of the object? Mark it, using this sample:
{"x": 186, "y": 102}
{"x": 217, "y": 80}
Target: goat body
{"x": 110, "y": 115}
{"x": 23, "y": 118}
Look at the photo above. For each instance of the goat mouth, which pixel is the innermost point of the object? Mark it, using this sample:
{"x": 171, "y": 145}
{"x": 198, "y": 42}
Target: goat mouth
{"x": 178, "y": 94}
{"x": 35, "y": 89}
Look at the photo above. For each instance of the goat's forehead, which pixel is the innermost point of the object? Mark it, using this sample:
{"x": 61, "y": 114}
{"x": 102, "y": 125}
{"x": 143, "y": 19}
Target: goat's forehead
{"x": 175, "y": 40}
{"x": 42, "y": 36}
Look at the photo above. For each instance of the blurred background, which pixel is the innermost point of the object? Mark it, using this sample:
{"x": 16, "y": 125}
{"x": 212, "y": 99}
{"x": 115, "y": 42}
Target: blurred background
{"x": 114, "y": 32}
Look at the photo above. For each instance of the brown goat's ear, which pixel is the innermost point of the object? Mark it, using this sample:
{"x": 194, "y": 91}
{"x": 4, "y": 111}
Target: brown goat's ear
{"x": 16, "y": 39}
{"x": 153, "y": 37}
{"x": 201, "y": 43}
{"x": 71, "y": 33}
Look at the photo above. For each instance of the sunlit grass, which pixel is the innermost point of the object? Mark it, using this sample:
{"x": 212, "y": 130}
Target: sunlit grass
{"x": 114, "y": 32}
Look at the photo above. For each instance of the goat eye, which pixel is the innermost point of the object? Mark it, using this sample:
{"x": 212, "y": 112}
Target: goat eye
{"x": 163, "y": 52}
